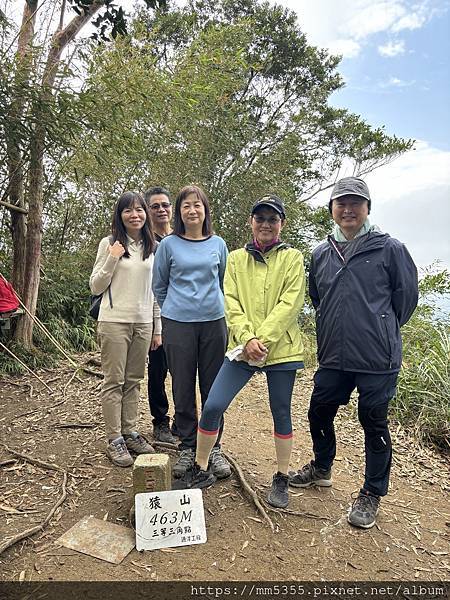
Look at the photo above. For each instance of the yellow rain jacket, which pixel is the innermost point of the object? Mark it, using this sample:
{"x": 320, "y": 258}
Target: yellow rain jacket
{"x": 264, "y": 294}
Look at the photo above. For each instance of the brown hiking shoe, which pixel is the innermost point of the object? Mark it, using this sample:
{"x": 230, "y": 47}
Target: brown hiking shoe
{"x": 137, "y": 444}
{"x": 118, "y": 454}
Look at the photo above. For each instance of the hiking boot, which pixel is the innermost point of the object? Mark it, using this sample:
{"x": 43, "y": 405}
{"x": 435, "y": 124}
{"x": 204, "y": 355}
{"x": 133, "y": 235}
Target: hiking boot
{"x": 218, "y": 464}
{"x": 310, "y": 475}
{"x": 185, "y": 462}
{"x": 137, "y": 444}
{"x": 279, "y": 492}
{"x": 364, "y": 510}
{"x": 161, "y": 433}
{"x": 118, "y": 454}
{"x": 194, "y": 478}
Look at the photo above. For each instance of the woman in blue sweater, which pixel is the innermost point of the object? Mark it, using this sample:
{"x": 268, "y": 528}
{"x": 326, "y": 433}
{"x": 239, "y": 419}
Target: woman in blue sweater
{"x": 188, "y": 286}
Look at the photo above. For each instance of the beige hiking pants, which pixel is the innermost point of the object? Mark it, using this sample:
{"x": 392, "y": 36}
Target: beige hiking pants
{"x": 124, "y": 351}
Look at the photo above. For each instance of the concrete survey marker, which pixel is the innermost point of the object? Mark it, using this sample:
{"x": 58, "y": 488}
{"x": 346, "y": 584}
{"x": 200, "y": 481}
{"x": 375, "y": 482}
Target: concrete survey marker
{"x": 168, "y": 519}
{"x": 99, "y": 538}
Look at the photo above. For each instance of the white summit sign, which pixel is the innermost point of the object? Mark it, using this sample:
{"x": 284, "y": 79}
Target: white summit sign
{"x": 168, "y": 519}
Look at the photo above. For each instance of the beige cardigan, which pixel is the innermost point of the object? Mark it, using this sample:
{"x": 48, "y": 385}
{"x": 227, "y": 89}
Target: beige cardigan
{"x": 131, "y": 286}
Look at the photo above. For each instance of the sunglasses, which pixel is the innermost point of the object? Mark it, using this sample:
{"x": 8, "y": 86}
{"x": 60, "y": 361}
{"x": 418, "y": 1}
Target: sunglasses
{"x": 164, "y": 205}
{"x": 271, "y": 220}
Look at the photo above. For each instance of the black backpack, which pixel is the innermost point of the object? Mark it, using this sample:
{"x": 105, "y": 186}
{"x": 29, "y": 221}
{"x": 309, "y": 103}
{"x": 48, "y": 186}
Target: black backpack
{"x": 96, "y": 300}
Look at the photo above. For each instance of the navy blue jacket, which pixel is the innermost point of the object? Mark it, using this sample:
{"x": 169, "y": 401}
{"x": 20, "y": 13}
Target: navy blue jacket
{"x": 362, "y": 302}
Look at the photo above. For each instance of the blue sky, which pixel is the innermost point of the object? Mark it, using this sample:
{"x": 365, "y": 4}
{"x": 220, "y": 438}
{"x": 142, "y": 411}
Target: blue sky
{"x": 407, "y": 70}
{"x": 396, "y": 67}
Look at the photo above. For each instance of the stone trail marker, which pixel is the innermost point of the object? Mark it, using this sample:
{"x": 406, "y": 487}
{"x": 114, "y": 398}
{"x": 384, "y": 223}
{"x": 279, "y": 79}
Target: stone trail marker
{"x": 169, "y": 519}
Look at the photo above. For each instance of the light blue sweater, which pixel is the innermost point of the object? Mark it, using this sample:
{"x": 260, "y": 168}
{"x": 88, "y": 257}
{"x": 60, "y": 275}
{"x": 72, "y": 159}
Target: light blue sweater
{"x": 188, "y": 278}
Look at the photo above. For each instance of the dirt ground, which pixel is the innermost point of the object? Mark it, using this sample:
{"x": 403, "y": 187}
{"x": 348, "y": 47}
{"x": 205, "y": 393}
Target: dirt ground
{"x": 312, "y": 542}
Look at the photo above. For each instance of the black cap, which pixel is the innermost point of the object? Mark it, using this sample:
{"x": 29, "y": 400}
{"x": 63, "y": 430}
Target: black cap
{"x": 272, "y": 202}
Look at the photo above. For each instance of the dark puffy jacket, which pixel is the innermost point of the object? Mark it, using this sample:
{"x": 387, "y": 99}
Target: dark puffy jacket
{"x": 362, "y": 303}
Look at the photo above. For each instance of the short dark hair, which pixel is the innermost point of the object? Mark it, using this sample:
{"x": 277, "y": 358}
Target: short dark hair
{"x": 118, "y": 230}
{"x": 153, "y": 191}
{"x": 178, "y": 225}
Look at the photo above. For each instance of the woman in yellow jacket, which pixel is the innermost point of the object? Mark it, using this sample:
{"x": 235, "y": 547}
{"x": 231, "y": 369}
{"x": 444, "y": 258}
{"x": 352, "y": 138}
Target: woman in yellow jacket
{"x": 264, "y": 289}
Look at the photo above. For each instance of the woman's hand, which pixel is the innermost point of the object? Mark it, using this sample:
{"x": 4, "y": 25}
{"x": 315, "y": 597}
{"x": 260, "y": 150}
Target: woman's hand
{"x": 117, "y": 250}
{"x": 156, "y": 342}
{"x": 255, "y": 350}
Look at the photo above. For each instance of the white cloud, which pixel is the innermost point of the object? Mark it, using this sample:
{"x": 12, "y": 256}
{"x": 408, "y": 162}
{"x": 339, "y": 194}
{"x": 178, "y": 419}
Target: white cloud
{"x": 411, "y": 201}
{"x": 392, "y": 49}
{"x": 411, "y": 21}
{"x": 373, "y": 18}
{"x": 396, "y": 82}
{"x": 421, "y": 169}
{"x": 339, "y": 24}
{"x": 347, "y": 48}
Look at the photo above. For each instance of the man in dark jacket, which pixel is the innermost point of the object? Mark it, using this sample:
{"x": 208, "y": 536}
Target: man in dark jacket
{"x": 160, "y": 208}
{"x": 363, "y": 285}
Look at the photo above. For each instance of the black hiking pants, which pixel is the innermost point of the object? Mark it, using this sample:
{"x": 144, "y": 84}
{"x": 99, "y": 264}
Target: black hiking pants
{"x": 332, "y": 388}
{"x": 157, "y": 397}
{"x": 191, "y": 348}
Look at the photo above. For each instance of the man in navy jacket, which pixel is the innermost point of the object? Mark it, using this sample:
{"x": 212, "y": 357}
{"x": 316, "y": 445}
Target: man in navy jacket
{"x": 363, "y": 286}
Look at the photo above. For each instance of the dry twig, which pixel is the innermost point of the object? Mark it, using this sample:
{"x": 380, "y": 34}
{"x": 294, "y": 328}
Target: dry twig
{"x": 25, "y": 366}
{"x": 299, "y": 513}
{"x": 35, "y": 461}
{"x": 249, "y": 491}
{"x": 92, "y": 372}
{"x": 24, "y": 534}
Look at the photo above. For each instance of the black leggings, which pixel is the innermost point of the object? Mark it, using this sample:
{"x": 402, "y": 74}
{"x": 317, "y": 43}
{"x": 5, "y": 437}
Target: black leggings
{"x": 231, "y": 379}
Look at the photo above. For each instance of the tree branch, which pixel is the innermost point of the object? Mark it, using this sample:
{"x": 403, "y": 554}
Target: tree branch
{"x": 13, "y": 207}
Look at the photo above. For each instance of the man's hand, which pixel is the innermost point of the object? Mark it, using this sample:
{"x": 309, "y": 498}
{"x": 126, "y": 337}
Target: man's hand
{"x": 117, "y": 250}
{"x": 255, "y": 350}
{"x": 156, "y": 342}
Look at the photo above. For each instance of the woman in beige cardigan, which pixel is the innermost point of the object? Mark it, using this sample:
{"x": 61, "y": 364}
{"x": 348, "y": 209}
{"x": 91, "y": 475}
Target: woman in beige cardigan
{"x": 128, "y": 323}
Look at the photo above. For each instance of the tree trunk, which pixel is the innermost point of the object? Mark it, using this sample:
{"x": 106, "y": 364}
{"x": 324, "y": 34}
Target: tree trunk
{"x": 62, "y": 37}
{"x": 24, "y": 61}
{"x": 24, "y": 330}
{"x": 18, "y": 220}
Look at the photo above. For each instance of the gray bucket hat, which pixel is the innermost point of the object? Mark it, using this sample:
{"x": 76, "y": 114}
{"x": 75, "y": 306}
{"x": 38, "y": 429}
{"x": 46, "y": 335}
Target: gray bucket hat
{"x": 350, "y": 186}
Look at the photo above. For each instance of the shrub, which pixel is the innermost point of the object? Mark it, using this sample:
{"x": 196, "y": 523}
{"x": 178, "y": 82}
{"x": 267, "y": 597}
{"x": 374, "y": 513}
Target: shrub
{"x": 423, "y": 396}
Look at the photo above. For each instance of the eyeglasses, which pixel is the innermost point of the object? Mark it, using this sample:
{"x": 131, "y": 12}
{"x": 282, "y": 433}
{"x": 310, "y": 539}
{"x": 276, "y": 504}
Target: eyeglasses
{"x": 164, "y": 205}
{"x": 271, "y": 220}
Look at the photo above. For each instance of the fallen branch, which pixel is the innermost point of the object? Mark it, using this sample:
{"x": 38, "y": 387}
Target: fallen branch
{"x": 69, "y": 382}
{"x": 298, "y": 513}
{"x": 164, "y": 445}
{"x": 41, "y": 409}
{"x": 11, "y": 461}
{"x": 76, "y": 426}
{"x": 250, "y": 492}
{"x": 93, "y": 361}
{"x": 35, "y": 461}
{"x": 92, "y": 372}
{"x": 28, "y": 532}
{"x": 25, "y": 366}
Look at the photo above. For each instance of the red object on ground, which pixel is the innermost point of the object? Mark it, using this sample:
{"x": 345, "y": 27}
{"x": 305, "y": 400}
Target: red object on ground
{"x": 8, "y": 299}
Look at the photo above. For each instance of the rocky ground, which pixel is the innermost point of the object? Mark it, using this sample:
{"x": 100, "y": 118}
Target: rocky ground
{"x": 312, "y": 540}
